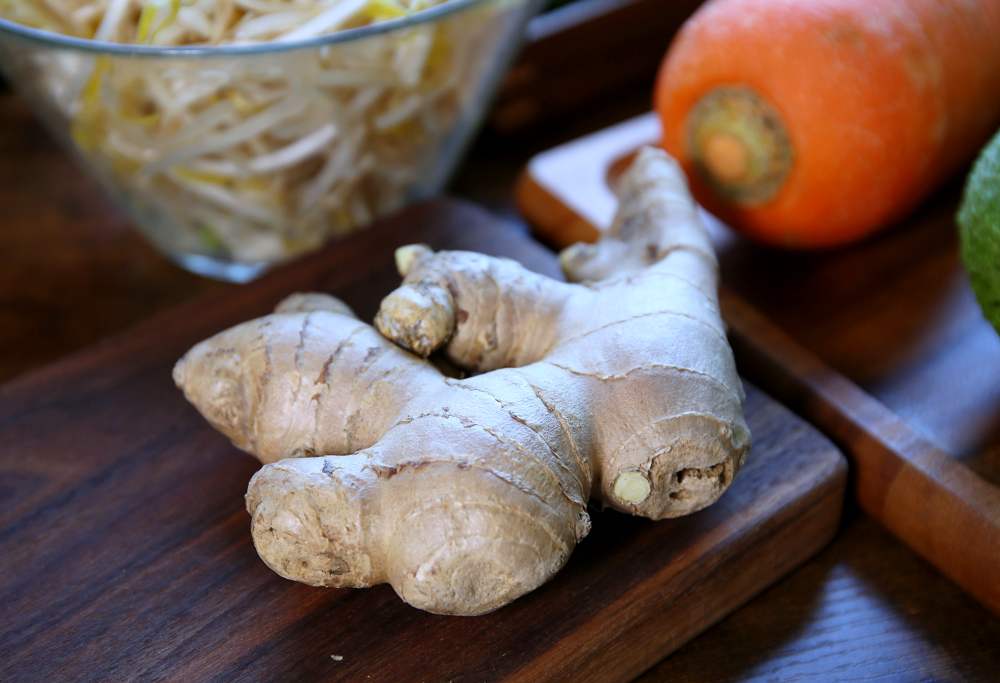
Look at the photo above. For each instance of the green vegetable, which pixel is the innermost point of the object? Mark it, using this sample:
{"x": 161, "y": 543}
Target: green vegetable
{"x": 979, "y": 230}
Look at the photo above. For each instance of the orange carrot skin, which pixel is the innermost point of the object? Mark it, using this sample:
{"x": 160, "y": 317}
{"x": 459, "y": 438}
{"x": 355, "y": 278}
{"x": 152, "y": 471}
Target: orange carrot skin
{"x": 881, "y": 100}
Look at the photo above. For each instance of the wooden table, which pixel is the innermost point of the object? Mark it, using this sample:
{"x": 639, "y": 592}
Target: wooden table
{"x": 865, "y": 608}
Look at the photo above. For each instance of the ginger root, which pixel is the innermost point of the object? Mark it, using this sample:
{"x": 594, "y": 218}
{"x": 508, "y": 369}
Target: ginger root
{"x": 465, "y": 494}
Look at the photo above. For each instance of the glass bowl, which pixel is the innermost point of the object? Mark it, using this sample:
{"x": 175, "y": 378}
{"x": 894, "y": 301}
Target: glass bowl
{"x": 233, "y": 158}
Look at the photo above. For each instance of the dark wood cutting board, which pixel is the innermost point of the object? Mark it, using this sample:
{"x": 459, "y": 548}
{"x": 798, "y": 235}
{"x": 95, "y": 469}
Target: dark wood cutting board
{"x": 880, "y": 344}
{"x": 125, "y": 550}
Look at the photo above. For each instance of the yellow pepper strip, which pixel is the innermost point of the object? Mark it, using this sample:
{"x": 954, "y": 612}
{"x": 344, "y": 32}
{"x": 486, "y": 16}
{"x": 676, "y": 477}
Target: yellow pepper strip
{"x": 146, "y": 18}
{"x": 380, "y": 10}
{"x": 86, "y": 126}
{"x": 148, "y": 28}
{"x": 200, "y": 176}
{"x": 175, "y": 7}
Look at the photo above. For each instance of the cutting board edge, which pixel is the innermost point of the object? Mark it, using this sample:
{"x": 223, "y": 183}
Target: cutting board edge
{"x": 815, "y": 516}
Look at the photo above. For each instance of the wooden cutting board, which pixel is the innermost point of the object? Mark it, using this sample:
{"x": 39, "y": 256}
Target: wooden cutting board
{"x": 881, "y": 345}
{"x": 125, "y": 549}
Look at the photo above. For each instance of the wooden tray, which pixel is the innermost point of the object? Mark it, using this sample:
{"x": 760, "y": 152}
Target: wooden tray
{"x": 901, "y": 369}
{"x": 126, "y": 549}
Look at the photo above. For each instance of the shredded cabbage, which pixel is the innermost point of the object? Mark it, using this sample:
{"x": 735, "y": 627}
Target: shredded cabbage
{"x": 258, "y": 158}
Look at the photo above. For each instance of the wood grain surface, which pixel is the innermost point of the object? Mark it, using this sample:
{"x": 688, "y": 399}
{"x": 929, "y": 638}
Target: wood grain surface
{"x": 865, "y": 609}
{"x": 126, "y": 552}
{"x": 863, "y": 302}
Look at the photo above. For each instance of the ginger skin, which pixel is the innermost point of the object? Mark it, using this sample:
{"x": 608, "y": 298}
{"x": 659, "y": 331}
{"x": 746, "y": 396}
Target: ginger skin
{"x": 466, "y": 494}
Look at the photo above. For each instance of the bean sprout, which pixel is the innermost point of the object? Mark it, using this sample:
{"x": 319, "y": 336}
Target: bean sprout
{"x": 258, "y": 158}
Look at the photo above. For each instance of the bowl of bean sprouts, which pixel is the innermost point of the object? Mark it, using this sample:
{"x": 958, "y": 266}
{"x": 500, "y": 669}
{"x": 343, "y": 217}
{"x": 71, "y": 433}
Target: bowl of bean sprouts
{"x": 239, "y": 134}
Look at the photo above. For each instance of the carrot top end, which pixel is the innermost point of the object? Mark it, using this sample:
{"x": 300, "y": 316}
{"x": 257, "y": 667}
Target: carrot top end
{"x": 739, "y": 145}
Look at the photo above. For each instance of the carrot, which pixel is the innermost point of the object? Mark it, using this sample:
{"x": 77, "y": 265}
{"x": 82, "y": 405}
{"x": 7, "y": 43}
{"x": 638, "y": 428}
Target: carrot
{"x": 814, "y": 123}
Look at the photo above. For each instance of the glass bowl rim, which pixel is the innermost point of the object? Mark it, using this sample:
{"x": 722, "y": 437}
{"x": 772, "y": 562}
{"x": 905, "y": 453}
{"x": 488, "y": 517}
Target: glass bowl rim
{"x": 99, "y": 47}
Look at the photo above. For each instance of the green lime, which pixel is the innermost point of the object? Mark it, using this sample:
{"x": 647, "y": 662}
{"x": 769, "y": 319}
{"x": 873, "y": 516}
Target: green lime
{"x": 979, "y": 230}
